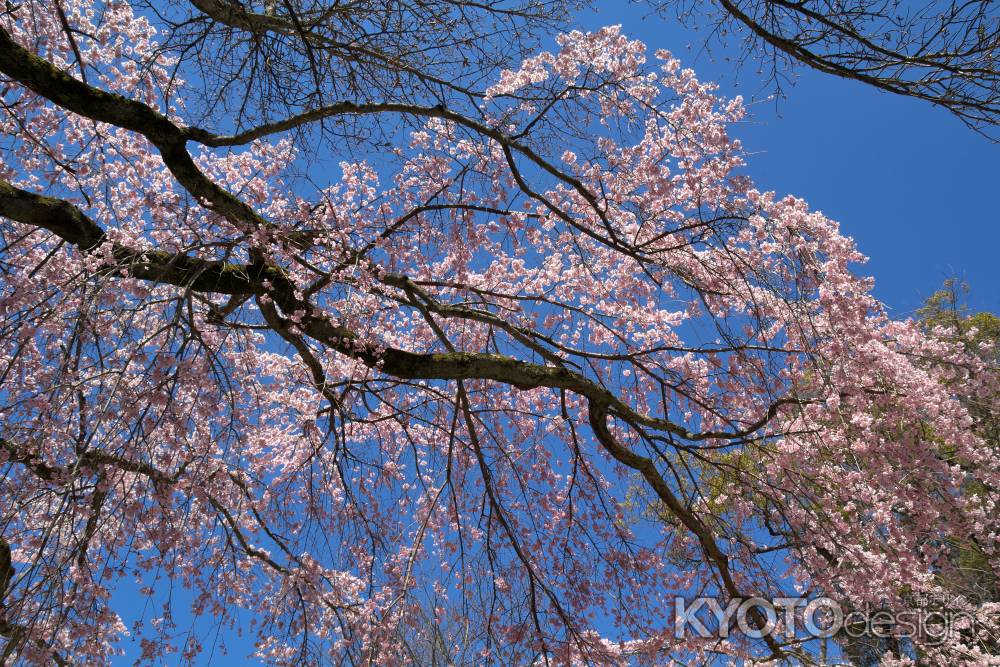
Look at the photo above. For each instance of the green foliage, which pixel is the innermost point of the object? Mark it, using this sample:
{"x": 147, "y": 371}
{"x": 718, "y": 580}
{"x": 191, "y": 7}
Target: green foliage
{"x": 946, "y": 310}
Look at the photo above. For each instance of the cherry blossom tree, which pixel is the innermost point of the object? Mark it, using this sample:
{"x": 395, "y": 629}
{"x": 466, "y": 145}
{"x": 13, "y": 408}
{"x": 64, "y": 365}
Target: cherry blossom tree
{"x": 391, "y": 350}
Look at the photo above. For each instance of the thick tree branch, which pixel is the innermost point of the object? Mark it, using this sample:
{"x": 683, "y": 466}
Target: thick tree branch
{"x": 6, "y": 569}
{"x": 46, "y": 80}
{"x": 73, "y": 226}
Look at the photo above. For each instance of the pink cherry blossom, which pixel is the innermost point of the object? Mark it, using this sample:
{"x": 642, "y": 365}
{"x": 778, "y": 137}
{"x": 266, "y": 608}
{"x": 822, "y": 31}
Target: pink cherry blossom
{"x": 503, "y": 390}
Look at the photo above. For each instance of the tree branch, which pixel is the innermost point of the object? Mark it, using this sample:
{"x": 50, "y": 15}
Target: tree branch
{"x": 46, "y": 80}
{"x": 73, "y": 226}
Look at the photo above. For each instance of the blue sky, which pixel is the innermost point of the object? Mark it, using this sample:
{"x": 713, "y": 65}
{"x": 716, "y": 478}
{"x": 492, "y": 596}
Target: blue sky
{"x": 909, "y": 182}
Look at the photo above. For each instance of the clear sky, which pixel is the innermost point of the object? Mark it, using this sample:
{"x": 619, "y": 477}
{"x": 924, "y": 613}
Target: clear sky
{"x": 909, "y": 182}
